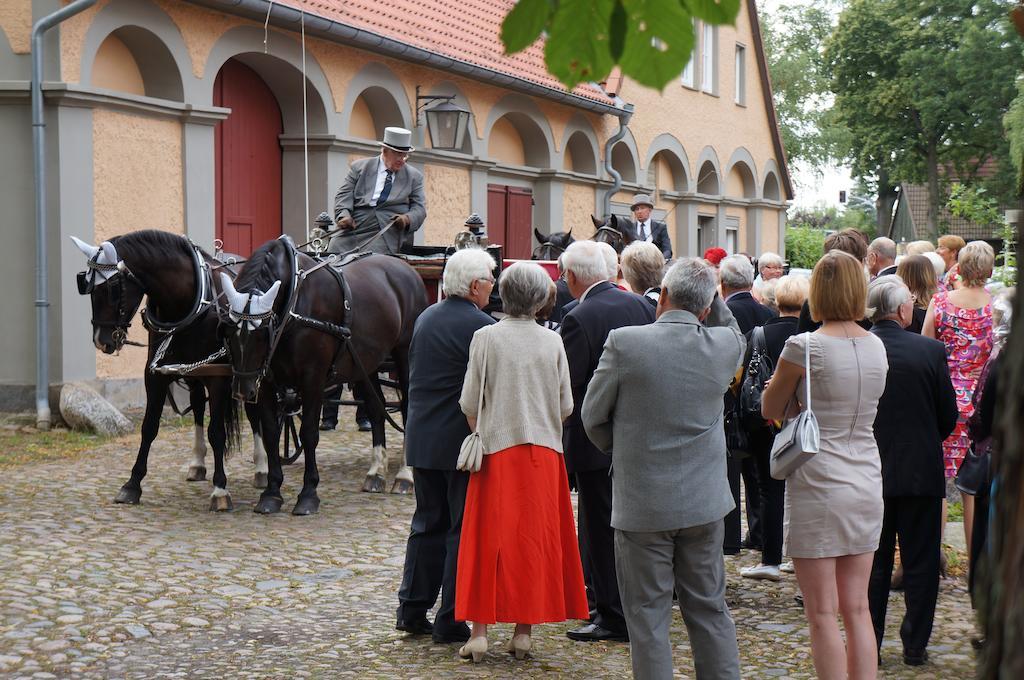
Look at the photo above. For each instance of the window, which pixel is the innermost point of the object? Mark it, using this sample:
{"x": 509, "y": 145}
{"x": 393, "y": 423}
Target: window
{"x": 732, "y": 234}
{"x": 741, "y": 75}
{"x": 688, "y": 72}
{"x": 705, "y": 233}
{"x": 709, "y": 61}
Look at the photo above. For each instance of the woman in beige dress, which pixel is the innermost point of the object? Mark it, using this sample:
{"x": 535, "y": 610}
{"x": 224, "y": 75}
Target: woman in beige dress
{"x": 834, "y": 500}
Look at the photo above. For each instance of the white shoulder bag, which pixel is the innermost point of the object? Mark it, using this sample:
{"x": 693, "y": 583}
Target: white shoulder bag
{"x": 798, "y": 441}
{"x": 471, "y": 455}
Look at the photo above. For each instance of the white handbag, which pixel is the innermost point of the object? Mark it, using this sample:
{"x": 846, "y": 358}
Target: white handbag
{"x": 471, "y": 455}
{"x": 798, "y": 441}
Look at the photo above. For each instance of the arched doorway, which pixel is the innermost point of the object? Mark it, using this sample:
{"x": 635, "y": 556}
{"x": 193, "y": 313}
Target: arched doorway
{"x": 248, "y": 160}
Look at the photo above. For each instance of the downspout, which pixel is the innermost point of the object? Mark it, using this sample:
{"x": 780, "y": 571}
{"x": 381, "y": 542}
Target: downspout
{"x": 606, "y": 204}
{"x": 39, "y": 156}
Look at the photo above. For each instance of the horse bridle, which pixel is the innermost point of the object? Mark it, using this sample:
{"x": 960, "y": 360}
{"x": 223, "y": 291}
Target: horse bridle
{"x": 121, "y": 274}
{"x": 535, "y": 256}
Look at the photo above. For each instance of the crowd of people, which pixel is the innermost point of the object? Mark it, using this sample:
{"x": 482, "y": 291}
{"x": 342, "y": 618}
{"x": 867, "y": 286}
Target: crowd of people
{"x": 619, "y": 382}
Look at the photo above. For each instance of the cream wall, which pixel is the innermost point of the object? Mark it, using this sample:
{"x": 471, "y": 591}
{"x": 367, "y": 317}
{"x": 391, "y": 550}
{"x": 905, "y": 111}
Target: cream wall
{"x": 505, "y": 144}
{"x": 447, "y": 191}
{"x": 115, "y": 68}
{"x": 16, "y": 23}
{"x": 577, "y": 206}
{"x": 770, "y": 231}
{"x": 360, "y": 123}
{"x": 137, "y": 184}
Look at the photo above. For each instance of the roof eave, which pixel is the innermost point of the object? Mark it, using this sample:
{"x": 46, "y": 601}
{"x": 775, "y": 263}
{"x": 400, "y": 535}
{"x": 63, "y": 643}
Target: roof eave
{"x": 289, "y": 18}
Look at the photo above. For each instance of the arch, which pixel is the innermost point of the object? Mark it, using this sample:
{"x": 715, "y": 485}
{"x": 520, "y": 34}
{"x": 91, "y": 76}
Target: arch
{"x": 152, "y": 38}
{"x": 381, "y": 90}
{"x": 380, "y": 106}
{"x": 667, "y": 147}
{"x": 708, "y": 180}
{"x": 281, "y": 69}
{"x": 741, "y": 176}
{"x": 772, "y": 188}
{"x": 580, "y": 147}
{"x": 531, "y": 125}
{"x": 471, "y": 143}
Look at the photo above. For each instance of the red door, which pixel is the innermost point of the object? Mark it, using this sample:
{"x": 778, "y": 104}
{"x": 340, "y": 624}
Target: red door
{"x": 510, "y": 219}
{"x": 248, "y": 160}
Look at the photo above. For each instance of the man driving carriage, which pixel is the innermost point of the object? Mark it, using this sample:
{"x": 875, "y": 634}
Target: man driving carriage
{"x": 376, "y": 191}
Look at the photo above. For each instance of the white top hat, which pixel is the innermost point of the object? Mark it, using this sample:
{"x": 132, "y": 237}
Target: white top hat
{"x": 398, "y": 139}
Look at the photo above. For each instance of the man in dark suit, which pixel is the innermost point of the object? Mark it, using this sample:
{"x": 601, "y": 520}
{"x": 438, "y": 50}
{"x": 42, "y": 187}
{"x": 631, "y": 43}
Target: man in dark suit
{"x": 602, "y": 307}
{"x": 881, "y": 258}
{"x": 916, "y": 412}
{"x": 434, "y": 431}
{"x": 650, "y": 230}
{"x": 737, "y": 276}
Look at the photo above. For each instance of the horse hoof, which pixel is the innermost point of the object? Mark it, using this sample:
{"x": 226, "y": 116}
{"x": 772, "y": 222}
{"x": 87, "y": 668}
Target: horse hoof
{"x": 402, "y": 486}
{"x": 128, "y": 495}
{"x": 269, "y": 505}
{"x": 259, "y": 480}
{"x": 307, "y": 506}
{"x": 374, "y": 484}
{"x": 221, "y": 504}
{"x": 196, "y": 473}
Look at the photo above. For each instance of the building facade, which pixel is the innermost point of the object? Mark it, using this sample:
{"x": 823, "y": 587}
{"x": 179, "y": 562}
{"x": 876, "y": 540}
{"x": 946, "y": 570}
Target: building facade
{"x": 195, "y": 117}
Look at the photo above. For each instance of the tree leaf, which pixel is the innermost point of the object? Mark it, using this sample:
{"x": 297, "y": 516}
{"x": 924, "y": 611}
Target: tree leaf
{"x": 618, "y": 30}
{"x": 524, "y": 24}
{"x": 659, "y": 41}
{"x": 578, "y": 47}
{"x": 714, "y": 11}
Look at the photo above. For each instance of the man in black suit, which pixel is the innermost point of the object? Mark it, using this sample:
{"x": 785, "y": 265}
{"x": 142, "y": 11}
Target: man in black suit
{"x": 434, "y": 431}
{"x": 881, "y": 258}
{"x": 737, "y": 275}
{"x": 916, "y": 412}
{"x": 602, "y": 307}
{"x": 650, "y": 230}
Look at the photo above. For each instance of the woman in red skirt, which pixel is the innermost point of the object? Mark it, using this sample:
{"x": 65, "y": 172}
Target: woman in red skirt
{"x": 518, "y": 558}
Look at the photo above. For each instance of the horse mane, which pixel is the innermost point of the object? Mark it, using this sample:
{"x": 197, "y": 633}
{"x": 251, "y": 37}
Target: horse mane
{"x": 152, "y": 245}
{"x": 263, "y": 268}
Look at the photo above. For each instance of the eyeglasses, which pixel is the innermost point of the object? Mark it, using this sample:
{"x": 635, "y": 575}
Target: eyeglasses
{"x": 489, "y": 279}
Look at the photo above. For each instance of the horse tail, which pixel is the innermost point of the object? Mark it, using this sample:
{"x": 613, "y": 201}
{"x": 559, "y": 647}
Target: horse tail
{"x": 231, "y": 427}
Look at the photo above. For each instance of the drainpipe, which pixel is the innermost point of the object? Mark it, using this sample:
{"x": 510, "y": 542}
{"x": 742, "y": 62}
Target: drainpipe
{"x": 606, "y": 204}
{"x": 39, "y": 155}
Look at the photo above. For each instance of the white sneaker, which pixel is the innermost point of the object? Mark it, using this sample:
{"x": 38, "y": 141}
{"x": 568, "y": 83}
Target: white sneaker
{"x": 762, "y": 571}
{"x": 787, "y": 567}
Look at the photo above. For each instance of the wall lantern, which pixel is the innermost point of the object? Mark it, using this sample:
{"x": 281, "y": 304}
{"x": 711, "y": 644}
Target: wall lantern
{"x": 446, "y": 122}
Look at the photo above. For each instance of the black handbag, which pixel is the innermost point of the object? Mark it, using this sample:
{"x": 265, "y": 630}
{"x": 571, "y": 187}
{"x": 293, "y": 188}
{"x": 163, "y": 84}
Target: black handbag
{"x": 973, "y": 474}
{"x": 737, "y": 441}
{"x": 758, "y": 372}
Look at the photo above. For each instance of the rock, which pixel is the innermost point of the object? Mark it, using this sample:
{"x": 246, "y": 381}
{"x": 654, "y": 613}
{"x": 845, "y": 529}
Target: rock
{"x": 83, "y": 408}
{"x": 136, "y": 630}
{"x": 195, "y": 622}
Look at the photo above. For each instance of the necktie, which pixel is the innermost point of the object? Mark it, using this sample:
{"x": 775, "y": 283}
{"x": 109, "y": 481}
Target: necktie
{"x": 643, "y": 231}
{"x": 386, "y": 190}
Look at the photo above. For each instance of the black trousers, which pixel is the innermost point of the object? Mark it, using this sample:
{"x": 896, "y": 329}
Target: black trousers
{"x": 597, "y": 547}
{"x": 917, "y": 523}
{"x": 329, "y": 412}
{"x": 978, "y": 556}
{"x": 432, "y": 551}
{"x": 773, "y": 501}
{"x": 746, "y": 470}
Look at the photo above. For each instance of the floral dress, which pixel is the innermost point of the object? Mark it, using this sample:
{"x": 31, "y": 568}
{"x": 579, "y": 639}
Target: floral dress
{"x": 967, "y": 334}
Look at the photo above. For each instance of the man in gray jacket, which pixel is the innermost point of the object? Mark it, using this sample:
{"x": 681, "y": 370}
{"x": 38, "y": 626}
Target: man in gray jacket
{"x": 376, "y": 191}
{"x": 670, "y": 491}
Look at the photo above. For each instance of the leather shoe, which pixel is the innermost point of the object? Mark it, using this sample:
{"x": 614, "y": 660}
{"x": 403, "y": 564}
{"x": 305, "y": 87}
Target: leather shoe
{"x": 326, "y": 426}
{"x": 416, "y": 626}
{"x": 459, "y": 633}
{"x": 915, "y": 658}
{"x": 364, "y": 424}
{"x": 592, "y": 632}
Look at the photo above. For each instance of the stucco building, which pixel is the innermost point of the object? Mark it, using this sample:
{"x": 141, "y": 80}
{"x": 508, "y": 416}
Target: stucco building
{"x": 190, "y": 116}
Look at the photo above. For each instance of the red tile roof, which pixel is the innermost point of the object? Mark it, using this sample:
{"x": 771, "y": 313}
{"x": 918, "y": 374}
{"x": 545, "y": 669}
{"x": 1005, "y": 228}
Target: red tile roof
{"x": 468, "y": 32}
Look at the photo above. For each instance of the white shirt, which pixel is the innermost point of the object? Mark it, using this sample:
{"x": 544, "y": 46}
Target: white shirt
{"x": 382, "y": 173}
{"x": 645, "y": 228}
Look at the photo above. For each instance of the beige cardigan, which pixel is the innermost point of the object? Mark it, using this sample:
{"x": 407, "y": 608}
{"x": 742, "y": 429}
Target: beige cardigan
{"x": 527, "y": 393}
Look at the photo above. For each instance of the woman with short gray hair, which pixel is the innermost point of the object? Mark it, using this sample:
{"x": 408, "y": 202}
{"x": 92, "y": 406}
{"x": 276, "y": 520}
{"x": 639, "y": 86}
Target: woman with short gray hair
{"x": 643, "y": 265}
{"x": 522, "y": 490}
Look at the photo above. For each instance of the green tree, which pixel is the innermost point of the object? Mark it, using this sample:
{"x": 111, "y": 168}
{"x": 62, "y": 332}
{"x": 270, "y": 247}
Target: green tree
{"x": 922, "y": 85}
{"x": 1013, "y": 121}
{"x": 804, "y": 246}
{"x": 650, "y": 40}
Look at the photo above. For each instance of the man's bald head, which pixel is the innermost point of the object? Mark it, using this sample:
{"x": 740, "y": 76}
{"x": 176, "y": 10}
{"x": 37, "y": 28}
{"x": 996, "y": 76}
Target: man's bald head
{"x": 881, "y": 254}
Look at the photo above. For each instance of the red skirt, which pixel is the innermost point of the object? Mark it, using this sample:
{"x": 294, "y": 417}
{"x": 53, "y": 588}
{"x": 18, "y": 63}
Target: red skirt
{"x": 519, "y": 560}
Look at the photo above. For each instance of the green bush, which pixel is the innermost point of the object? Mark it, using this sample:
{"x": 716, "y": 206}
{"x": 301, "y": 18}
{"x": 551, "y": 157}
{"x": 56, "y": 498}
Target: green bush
{"x": 804, "y": 246}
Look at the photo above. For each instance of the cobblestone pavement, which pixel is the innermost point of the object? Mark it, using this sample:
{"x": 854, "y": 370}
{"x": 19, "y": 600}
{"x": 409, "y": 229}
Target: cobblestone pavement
{"x": 168, "y": 589}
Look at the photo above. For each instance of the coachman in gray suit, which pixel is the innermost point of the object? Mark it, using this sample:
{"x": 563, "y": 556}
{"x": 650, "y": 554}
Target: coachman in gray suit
{"x": 376, "y": 191}
{"x": 670, "y": 492}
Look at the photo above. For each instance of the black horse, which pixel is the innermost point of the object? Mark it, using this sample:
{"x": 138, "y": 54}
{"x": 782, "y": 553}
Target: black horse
{"x": 182, "y": 320}
{"x": 616, "y": 231}
{"x": 299, "y": 328}
{"x": 551, "y": 245}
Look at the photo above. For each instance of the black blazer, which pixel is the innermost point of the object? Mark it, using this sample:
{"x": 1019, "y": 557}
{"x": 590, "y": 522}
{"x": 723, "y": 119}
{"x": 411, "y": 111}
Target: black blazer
{"x": 438, "y": 357}
{"x": 748, "y": 311}
{"x": 562, "y": 298}
{"x": 659, "y": 236}
{"x": 584, "y": 331}
{"x": 916, "y": 412}
{"x": 809, "y": 325}
{"x": 776, "y": 331}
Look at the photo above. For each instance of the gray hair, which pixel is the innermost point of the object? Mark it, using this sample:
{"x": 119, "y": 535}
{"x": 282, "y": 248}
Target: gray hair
{"x": 885, "y": 295}
{"x": 920, "y": 247}
{"x": 976, "y": 260}
{"x": 768, "y": 259}
{"x": 643, "y": 265}
{"x": 586, "y": 261}
{"x": 884, "y": 247}
{"x": 465, "y": 267}
{"x": 938, "y": 264}
{"x": 524, "y": 288}
{"x": 736, "y": 271}
{"x": 691, "y": 283}
{"x": 611, "y": 260}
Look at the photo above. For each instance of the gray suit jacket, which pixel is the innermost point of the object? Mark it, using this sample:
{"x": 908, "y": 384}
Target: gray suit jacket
{"x": 354, "y": 197}
{"x": 656, "y": 399}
